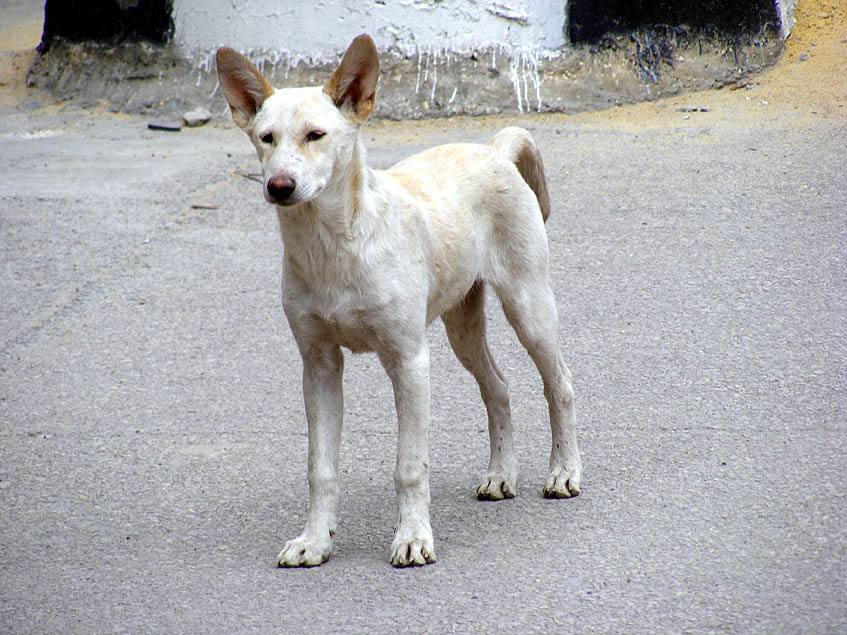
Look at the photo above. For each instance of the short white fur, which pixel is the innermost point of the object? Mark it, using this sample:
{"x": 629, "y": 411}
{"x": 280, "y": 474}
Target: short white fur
{"x": 373, "y": 257}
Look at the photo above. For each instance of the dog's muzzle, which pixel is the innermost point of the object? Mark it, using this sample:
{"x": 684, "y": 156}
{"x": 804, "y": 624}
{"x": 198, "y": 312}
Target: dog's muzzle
{"x": 280, "y": 188}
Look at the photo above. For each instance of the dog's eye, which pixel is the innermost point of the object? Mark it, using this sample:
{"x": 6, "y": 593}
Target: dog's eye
{"x": 314, "y": 135}
{"x": 267, "y": 138}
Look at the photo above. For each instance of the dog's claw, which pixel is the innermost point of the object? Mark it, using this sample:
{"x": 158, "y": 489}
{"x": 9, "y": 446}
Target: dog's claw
{"x": 413, "y": 547}
{"x": 415, "y": 553}
{"x": 562, "y": 483}
{"x": 495, "y": 487}
{"x": 303, "y": 552}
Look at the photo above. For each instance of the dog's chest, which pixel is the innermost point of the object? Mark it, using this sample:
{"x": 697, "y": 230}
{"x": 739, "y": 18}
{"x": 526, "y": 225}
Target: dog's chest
{"x": 352, "y": 330}
{"x": 358, "y": 298}
{"x": 351, "y": 319}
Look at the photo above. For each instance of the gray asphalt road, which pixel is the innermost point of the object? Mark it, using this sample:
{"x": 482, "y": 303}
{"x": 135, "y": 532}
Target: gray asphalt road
{"x": 152, "y": 433}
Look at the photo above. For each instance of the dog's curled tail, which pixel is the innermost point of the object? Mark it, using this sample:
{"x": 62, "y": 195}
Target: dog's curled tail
{"x": 518, "y": 146}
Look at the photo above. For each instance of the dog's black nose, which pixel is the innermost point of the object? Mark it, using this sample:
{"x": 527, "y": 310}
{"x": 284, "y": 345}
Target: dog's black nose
{"x": 281, "y": 187}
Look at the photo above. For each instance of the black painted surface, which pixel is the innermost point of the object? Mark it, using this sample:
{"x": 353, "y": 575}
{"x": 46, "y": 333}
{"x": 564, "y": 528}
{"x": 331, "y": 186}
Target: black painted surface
{"x": 105, "y": 21}
{"x": 590, "y": 20}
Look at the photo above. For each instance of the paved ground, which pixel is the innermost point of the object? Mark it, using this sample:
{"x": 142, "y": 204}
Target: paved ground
{"x": 152, "y": 435}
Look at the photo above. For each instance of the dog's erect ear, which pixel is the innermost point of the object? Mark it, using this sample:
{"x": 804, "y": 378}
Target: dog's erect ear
{"x": 242, "y": 84}
{"x": 353, "y": 84}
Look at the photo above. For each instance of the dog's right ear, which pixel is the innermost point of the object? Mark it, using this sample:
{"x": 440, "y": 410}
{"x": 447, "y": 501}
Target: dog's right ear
{"x": 242, "y": 84}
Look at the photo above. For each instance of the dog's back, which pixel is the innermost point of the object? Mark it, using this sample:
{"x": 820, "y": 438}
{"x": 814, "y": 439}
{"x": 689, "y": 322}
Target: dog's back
{"x": 454, "y": 170}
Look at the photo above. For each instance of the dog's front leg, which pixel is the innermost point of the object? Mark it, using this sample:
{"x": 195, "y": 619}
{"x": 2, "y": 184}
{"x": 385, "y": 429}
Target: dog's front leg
{"x": 322, "y": 391}
{"x": 409, "y": 373}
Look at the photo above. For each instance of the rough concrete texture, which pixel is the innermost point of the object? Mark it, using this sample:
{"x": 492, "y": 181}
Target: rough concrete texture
{"x": 496, "y": 58}
{"x": 135, "y": 78}
{"x": 152, "y": 435}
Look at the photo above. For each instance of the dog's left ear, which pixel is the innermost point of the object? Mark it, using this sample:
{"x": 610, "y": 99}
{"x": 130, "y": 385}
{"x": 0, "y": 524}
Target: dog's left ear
{"x": 242, "y": 84}
{"x": 352, "y": 86}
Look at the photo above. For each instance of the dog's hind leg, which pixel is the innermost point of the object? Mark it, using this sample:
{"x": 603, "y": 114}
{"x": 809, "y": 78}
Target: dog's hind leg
{"x": 530, "y": 307}
{"x": 465, "y": 326}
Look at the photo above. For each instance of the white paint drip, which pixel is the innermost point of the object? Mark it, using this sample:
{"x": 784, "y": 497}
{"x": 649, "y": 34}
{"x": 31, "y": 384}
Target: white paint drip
{"x": 418, "y": 82}
{"x": 434, "y": 77}
{"x": 523, "y": 68}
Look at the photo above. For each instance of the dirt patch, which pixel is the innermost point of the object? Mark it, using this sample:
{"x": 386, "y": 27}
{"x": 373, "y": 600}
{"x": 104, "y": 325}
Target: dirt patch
{"x": 13, "y": 69}
{"x": 20, "y": 33}
{"x": 20, "y": 29}
{"x": 812, "y": 74}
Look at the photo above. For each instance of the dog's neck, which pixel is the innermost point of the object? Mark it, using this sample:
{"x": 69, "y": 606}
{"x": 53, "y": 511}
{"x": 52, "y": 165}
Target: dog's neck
{"x": 324, "y": 237}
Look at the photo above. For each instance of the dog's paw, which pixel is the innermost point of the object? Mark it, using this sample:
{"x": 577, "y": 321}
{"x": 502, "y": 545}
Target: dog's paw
{"x": 412, "y": 553}
{"x": 413, "y": 545}
{"x": 563, "y": 483}
{"x": 304, "y": 552}
{"x": 495, "y": 487}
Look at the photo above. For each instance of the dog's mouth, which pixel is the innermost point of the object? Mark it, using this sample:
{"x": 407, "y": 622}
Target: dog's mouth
{"x": 283, "y": 201}
{"x": 287, "y": 203}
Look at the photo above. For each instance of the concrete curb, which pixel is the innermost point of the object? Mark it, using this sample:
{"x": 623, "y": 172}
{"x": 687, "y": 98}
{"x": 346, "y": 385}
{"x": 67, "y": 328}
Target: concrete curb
{"x": 141, "y": 77}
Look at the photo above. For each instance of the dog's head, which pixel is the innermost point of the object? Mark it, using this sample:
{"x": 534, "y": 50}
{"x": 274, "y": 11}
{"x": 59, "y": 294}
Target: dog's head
{"x": 304, "y": 136}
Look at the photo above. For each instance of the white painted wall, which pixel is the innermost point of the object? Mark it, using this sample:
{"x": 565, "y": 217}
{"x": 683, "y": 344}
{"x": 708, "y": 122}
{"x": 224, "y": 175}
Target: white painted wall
{"x": 318, "y": 30}
{"x": 786, "y": 10}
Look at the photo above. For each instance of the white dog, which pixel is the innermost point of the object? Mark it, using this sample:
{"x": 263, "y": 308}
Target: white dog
{"x": 373, "y": 257}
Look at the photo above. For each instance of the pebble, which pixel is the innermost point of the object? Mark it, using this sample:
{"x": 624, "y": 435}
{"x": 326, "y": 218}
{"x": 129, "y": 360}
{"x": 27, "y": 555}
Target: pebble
{"x": 196, "y": 117}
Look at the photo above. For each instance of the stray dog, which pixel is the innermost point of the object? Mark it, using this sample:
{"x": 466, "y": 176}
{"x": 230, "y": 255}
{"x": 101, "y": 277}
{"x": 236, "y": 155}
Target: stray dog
{"x": 373, "y": 257}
